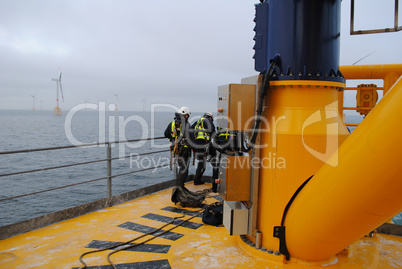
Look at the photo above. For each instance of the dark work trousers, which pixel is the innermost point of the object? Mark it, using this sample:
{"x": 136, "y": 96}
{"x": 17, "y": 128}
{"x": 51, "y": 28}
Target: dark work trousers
{"x": 201, "y": 152}
{"x": 184, "y": 163}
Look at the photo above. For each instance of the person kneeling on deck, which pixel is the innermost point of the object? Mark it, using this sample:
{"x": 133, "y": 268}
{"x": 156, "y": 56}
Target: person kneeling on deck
{"x": 202, "y": 134}
{"x": 178, "y": 133}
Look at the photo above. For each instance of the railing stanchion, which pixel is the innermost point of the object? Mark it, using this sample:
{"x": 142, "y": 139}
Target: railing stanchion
{"x": 108, "y": 160}
{"x": 109, "y": 170}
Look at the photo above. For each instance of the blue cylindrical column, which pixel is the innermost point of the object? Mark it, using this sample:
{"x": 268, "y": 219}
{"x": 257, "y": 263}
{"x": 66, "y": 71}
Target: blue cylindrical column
{"x": 306, "y": 34}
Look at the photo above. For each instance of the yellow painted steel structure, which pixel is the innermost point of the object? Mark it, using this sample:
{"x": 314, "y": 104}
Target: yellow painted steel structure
{"x": 342, "y": 203}
{"x": 300, "y": 131}
{"x": 390, "y": 73}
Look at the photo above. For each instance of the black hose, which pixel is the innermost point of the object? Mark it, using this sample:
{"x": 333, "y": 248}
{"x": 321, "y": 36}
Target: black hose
{"x": 263, "y": 93}
{"x": 127, "y": 244}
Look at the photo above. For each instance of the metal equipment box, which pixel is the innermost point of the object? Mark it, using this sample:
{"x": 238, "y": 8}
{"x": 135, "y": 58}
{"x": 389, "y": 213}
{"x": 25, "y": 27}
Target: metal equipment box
{"x": 236, "y": 106}
{"x": 235, "y": 217}
{"x": 235, "y": 178}
{"x": 366, "y": 98}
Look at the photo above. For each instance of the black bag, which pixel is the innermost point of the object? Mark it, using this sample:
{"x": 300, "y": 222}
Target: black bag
{"x": 186, "y": 198}
{"x": 213, "y": 214}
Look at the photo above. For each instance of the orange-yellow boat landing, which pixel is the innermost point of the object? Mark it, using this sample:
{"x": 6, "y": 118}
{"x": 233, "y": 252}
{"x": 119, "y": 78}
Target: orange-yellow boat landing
{"x": 194, "y": 245}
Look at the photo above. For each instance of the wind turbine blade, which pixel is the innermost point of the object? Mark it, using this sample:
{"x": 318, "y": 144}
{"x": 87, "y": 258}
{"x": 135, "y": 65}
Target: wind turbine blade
{"x": 61, "y": 90}
{"x": 60, "y": 76}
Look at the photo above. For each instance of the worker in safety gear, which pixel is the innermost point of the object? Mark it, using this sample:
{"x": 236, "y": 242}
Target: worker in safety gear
{"x": 178, "y": 133}
{"x": 202, "y": 133}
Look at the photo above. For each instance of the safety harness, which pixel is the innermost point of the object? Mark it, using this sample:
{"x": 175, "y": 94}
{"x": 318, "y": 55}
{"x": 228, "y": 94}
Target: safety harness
{"x": 200, "y": 130}
{"x": 178, "y": 142}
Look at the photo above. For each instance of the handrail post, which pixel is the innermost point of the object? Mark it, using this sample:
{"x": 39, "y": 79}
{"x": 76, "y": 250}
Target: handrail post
{"x": 109, "y": 170}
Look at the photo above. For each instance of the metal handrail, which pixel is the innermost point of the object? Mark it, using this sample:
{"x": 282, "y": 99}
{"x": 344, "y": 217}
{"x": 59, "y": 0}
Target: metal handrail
{"x": 50, "y": 168}
{"x": 84, "y": 182}
{"x": 108, "y": 160}
{"x": 77, "y": 146}
{"x": 52, "y": 189}
{"x": 76, "y": 164}
{"x": 395, "y": 28}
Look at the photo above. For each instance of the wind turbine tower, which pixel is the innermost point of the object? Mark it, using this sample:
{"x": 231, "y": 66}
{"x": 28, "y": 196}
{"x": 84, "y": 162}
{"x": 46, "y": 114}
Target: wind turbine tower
{"x": 57, "y": 109}
{"x": 33, "y": 102}
{"x": 117, "y": 101}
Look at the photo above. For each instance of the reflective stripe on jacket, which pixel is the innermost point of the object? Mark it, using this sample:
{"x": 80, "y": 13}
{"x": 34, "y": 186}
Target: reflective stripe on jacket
{"x": 225, "y": 135}
{"x": 200, "y": 130}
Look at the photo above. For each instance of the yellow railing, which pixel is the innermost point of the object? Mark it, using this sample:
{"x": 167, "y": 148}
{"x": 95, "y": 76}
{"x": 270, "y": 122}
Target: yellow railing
{"x": 389, "y": 73}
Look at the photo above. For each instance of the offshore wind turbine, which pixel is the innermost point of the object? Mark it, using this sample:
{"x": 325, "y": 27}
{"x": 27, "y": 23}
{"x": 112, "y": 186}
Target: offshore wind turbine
{"x": 117, "y": 101}
{"x": 33, "y": 102}
{"x": 57, "y": 109}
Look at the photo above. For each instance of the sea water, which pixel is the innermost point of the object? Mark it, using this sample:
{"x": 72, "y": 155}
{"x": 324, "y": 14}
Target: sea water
{"x": 22, "y": 130}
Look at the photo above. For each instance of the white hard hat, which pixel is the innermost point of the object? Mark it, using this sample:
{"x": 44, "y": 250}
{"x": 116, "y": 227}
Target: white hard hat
{"x": 209, "y": 114}
{"x": 184, "y": 111}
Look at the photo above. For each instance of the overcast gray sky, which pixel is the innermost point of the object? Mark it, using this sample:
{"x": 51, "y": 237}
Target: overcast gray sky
{"x": 175, "y": 52}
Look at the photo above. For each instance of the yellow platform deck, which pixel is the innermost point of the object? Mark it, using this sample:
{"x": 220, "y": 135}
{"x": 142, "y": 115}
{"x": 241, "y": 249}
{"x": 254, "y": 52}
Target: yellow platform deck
{"x": 192, "y": 245}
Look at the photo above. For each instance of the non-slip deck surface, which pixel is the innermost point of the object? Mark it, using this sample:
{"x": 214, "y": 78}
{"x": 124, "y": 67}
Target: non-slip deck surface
{"x": 192, "y": 245}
